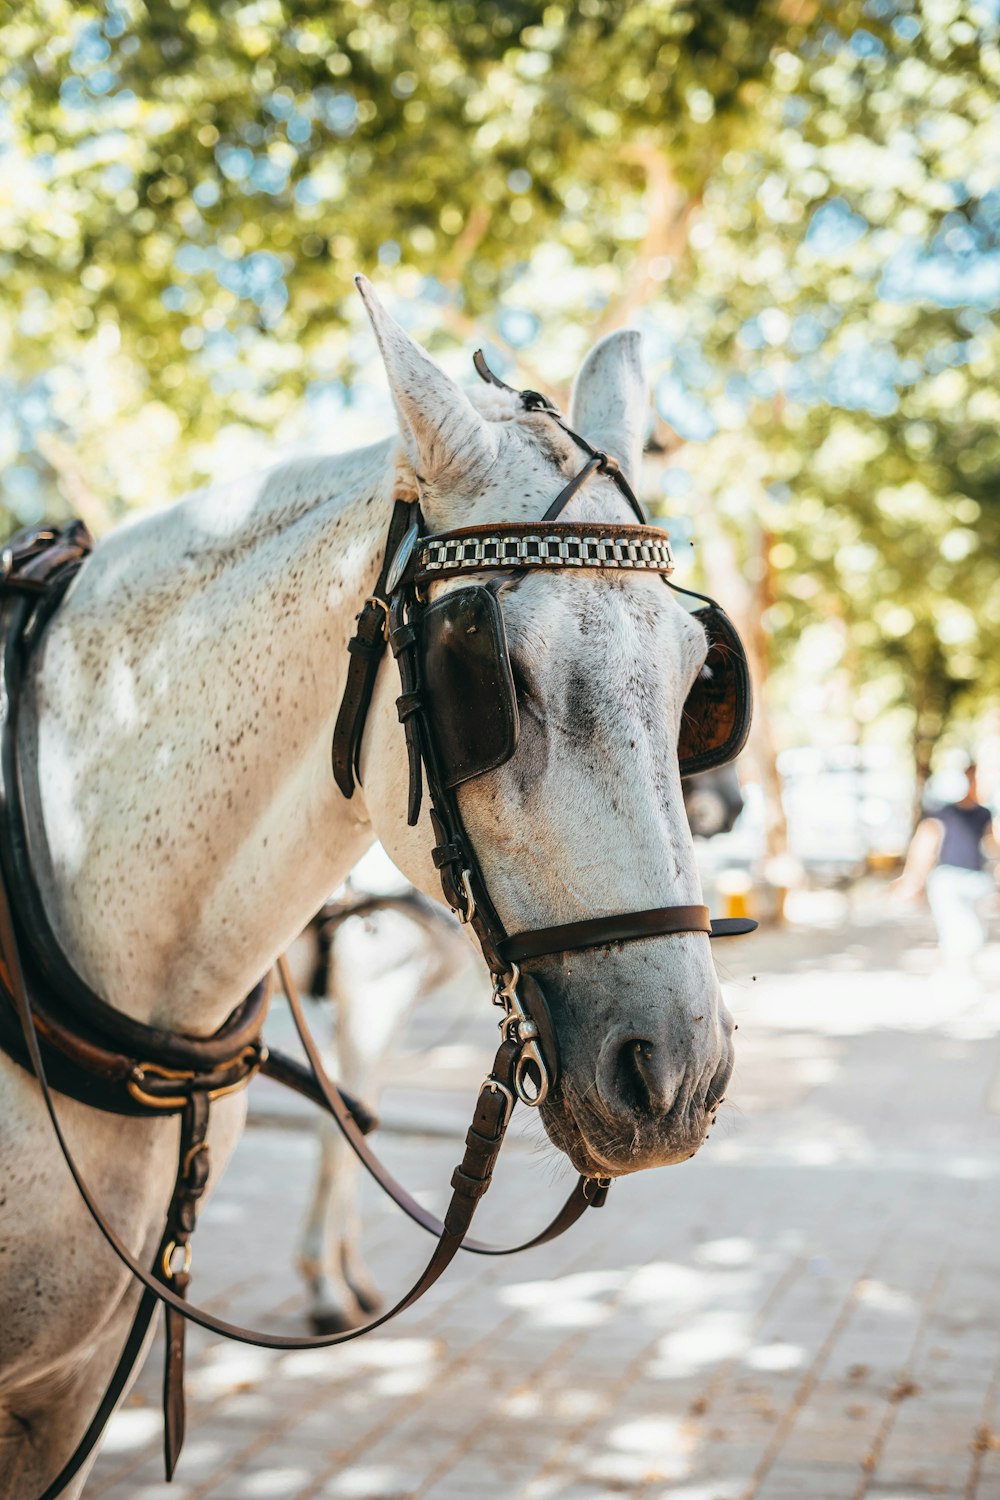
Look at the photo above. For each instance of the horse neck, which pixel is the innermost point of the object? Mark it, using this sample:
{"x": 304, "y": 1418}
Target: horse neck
{"x": 178, "y": 722}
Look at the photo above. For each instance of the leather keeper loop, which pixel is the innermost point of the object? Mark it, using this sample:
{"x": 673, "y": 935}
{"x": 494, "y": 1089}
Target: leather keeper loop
{"x": 469, "y": 1187}
{"x": 187, "y": 1213}
{"x": 359, "y": 647}
{"x": 447, "y": 854}
{"x": 401, "y": 638}
{"x": 407, "y": 704}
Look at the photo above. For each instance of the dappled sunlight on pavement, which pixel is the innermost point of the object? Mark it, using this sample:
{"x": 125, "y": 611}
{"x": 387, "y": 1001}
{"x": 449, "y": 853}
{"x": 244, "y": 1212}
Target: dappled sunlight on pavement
{"x": 809, "y": 1310}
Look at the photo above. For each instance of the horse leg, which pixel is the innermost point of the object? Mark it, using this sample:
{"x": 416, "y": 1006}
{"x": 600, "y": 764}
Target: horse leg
{"x": 362, "y": 1055}
{"x": 334, "y": 1305}
{"x": 352, "y": 1263}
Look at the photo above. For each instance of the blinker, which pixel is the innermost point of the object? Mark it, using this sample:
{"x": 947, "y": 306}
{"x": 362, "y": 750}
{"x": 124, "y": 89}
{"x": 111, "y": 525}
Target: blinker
{"x": 715, "y": 720}
{"x": 466, "y": 662}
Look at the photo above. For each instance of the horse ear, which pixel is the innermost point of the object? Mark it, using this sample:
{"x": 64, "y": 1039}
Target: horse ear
{"x": 446, "y": 438}
{"x": 610, "y": 398}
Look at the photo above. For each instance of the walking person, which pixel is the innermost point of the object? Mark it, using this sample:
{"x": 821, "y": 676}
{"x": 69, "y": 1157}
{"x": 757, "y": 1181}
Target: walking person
{"x": 947, "y": 857}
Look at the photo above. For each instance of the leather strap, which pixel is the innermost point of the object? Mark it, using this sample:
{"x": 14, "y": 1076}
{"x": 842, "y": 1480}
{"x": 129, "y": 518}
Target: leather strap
{"x": 189, "y": 1185}
{"x": 532, "y": 401}
{"x": 367, "y": 647}
{"x": 490, "y": 1122}
{"x": 469, "y": 1182}
{"x": 291, "y": 1074}
{"x": 586, "y": 1192}
{"x": 622, "y": 928}
{"x": 127, "y": 1360}
{"x": 409, "y": 704}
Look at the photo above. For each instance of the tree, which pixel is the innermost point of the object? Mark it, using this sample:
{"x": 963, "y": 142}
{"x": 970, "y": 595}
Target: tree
{"x": 193, "y": 184}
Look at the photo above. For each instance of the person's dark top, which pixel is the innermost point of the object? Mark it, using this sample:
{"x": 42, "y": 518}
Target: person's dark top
{"x": 964, "y": 828}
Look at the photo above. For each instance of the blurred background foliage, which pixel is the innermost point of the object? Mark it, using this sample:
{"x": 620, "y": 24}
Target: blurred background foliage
{"x": 798, "y": 203}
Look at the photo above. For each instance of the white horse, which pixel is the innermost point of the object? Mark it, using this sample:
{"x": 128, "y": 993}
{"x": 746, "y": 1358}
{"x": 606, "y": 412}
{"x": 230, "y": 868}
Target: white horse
{"x": 177, "y": 721}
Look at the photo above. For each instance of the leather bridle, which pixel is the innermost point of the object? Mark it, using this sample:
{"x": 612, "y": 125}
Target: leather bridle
{"x": 73, "y": 1041}
{"x": 393, "y": 616}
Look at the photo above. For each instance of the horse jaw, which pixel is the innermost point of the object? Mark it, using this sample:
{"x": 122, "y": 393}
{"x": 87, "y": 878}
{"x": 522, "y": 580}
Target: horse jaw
{"x": 587, "y": 819}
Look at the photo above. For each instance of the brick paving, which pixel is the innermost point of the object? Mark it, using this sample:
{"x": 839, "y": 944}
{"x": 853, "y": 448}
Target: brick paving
{"x": 809, "y": 1310}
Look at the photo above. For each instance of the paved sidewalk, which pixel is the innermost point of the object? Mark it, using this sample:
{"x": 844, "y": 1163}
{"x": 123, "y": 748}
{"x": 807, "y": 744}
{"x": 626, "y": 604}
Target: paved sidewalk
{"x": 809, "y": 1310}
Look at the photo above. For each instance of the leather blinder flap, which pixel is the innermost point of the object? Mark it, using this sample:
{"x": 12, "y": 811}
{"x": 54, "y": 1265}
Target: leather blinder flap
{"x": 468, "y": 685}
{"x": 715, "y": 721}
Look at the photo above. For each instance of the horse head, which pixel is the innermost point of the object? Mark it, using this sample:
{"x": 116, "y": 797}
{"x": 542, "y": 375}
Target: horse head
{"x": 586, "y": 818}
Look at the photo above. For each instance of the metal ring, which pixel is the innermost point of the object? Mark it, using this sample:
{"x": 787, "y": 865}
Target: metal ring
{"x": 532, "y": 1097}
{"x": 169, "y": 1251}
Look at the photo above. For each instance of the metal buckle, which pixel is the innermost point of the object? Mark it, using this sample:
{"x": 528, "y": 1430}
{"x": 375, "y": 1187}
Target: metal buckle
{"x": 186, "y": 1075}
{"x": 189, "y": 1157}
{"x": 494, "y": 1086}
{"x": 385, "y": 613}
{"x": 595, "y": 1190}
{"x": 531, "y": 1076}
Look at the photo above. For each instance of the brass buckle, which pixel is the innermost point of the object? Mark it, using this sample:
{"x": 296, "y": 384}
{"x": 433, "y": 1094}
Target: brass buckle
{"x": 186, "y": 1075}
{"x": 595, "y": 1190}
{"x": 381, "y": 604}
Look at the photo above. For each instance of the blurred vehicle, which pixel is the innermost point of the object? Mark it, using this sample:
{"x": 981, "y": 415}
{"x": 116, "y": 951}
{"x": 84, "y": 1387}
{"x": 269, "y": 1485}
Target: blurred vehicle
{"x": 848, "y": 808}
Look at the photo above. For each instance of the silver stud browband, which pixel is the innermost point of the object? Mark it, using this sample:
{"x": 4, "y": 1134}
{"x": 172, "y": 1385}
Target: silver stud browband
{"x": 501, "y": 549}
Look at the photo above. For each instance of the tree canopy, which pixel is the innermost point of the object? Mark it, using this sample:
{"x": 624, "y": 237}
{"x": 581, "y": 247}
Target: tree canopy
{"x": 798, "y": 203}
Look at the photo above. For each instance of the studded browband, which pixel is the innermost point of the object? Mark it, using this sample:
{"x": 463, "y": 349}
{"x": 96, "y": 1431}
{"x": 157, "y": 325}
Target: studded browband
{"x": 524, "y": 544}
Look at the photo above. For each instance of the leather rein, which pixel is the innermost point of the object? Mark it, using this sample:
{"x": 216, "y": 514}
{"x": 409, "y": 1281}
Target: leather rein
{"x": 73, "y": 1042}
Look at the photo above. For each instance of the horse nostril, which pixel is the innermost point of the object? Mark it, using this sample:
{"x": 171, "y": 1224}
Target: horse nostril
{"x": 640, "y": 1087}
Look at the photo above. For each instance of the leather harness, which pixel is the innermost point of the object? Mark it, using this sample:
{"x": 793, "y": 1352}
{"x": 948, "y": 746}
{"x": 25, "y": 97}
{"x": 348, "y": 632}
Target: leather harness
{"x": 52, "y": 1024}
